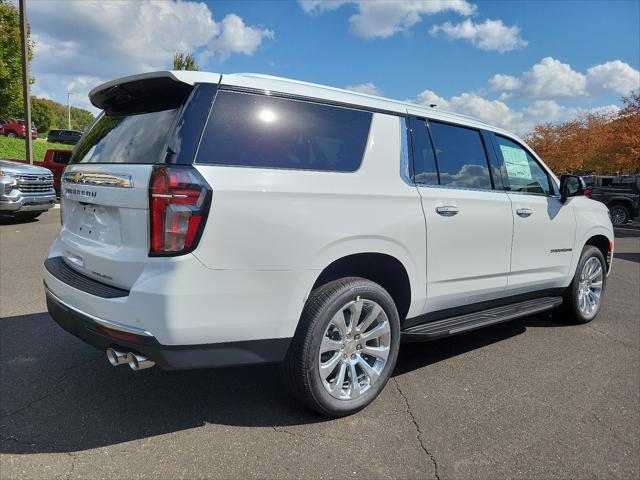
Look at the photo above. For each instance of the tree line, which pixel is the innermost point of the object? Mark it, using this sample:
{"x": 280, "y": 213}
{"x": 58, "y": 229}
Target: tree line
{"x": 45, "y": 113}
{"x": 599, "y": 143}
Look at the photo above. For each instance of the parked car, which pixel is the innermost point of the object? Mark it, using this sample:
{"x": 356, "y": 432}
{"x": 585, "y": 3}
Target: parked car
{"x": 16, "y": 129}
{"x": 621, "y": 196}
{"x": 55, "y": 160}
{"x": 69, "y": 137}
{"x": 26, "y": 191}
{"x": 213, "y": 220}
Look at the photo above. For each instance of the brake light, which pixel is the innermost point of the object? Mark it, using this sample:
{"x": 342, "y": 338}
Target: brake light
{"x": 179, "y": 201}
{"x": 587, "y": 192}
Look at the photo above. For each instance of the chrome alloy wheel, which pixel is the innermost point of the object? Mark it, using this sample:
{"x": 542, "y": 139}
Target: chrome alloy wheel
{"x": 354, "y": 349}
{"x": 590, "y": 287}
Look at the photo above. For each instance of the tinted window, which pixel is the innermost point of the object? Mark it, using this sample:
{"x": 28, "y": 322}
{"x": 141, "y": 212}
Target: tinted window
{"x": 262, "y": 131}
{"x": 61, "y": 157}
{"x": 462, "y": 161}
{"x": 126, "y": 139}
{"x": 522, "y": 172}
{"x": 424, "y": 160}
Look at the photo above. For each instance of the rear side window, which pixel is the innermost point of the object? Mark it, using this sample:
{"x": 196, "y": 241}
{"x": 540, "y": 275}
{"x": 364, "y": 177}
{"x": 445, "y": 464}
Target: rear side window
{"x": 523, "y": 173}
{"x": 424, "y": 160}
{"x": 61, "y": 157}
{"x": 462, "y": 160}
{"x": 126, "y": 138}
{"x": 263, "y": 131}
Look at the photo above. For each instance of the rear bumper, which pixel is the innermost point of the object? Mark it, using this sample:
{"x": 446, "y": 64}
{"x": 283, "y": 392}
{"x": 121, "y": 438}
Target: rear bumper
{"x": 102, "y": 334}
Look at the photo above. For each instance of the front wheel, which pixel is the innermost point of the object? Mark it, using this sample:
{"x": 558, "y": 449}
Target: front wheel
{"x": 583, "y": 298}
{"x": 12, "y": 135}
{"x": 345, "y": 347}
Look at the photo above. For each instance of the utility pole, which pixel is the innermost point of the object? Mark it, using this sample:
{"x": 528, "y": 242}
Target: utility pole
{"x": 69, "y": 108}
{"x": 25, "y": 80}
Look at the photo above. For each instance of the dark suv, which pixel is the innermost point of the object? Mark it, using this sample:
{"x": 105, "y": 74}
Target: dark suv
{"x": 621, "y": 194}
{"x": 69, "y": 137}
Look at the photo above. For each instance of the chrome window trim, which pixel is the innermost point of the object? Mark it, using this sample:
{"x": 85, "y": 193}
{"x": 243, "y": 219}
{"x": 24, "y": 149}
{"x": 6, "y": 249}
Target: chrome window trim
{"x": 405, "y": 171}
{"x": 453, "y": 187}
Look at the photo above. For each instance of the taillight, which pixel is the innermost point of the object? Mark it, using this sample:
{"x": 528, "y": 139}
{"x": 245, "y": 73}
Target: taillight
{"x": 587, "y": 192}
{"x": 179, "y": 201}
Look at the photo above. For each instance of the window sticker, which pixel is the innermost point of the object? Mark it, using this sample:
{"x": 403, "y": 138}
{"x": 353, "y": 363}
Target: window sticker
{"x": 516, "y": 162}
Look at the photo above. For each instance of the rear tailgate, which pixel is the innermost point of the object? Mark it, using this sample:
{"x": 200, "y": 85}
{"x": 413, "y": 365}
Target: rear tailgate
{"x": 105, "y": 221}
{"x": 105, "y": 187}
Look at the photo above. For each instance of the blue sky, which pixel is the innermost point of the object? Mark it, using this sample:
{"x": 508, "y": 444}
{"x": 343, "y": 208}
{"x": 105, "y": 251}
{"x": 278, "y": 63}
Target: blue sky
{"x": 511, "y": 63}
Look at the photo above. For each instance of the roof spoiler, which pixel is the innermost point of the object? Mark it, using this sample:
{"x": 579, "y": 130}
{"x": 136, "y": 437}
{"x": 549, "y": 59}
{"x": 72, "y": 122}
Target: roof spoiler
{"x": 147, "y": 92}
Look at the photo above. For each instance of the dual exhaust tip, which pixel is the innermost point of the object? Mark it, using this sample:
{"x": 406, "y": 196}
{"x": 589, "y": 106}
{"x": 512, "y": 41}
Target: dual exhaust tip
{"x": 135, "y": 360}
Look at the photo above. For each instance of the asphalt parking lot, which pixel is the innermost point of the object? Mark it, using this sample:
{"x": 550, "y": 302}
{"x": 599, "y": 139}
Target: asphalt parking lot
{"x": 533, "y": 398}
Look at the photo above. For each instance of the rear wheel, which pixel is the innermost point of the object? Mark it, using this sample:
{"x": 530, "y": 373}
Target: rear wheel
{"x": 583, "y": 298}
{"x": 345, "y": 347}
{"x": 619, "y": 214}
{"x": 11, "y": 135}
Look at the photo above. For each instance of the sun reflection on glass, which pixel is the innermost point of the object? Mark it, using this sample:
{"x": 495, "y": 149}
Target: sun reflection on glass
{"x": 267, "y": 116}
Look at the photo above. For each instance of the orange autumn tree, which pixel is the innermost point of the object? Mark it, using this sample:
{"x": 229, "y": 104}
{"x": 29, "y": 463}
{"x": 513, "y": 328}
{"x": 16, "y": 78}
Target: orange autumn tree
{"x": 603, "y": 143}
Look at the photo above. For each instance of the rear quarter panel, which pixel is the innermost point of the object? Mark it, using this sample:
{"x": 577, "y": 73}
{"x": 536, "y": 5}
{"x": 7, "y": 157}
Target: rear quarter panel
{"x": 295, "y": 220}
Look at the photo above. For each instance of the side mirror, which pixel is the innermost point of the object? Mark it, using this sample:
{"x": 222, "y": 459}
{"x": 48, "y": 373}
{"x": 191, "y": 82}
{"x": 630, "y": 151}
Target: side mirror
{"x": 571, "y": 186}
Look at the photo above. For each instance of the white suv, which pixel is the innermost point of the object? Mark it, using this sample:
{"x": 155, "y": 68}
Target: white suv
{"x": 212, "y": 220}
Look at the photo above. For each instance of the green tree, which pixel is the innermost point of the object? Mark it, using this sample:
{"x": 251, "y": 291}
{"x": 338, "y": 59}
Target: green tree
{"x": 184, "y": 61}
{"x": 41, "y": 114}
{"x": 10, "y": 62}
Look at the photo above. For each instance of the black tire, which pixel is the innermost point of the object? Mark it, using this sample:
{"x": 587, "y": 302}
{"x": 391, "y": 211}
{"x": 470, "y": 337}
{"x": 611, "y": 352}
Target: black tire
{"x": 12, "y": 135}
{"x": 571, "y": 300}
{"x": 300, "y": 369}
{"x": 619, "y": 214}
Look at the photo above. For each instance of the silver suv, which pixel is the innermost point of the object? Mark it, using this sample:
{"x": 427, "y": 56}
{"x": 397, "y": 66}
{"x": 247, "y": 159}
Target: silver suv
{"x": 26, "y": 191}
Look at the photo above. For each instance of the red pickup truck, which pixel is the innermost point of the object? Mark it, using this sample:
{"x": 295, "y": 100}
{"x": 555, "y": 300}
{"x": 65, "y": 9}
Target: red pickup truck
{"x": 54, "y": 160}
{"x": 17, "y": 129}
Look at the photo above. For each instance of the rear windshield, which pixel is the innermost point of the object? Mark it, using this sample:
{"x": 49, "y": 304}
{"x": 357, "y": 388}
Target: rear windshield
{"x": 270, "y": 132}
{"x": 137, "y": 138}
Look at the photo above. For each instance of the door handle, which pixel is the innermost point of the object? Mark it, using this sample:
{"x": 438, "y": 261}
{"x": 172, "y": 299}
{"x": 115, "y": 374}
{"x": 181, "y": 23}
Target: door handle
{"x": 524, "y": 212}
{"x": 447, "y": 211}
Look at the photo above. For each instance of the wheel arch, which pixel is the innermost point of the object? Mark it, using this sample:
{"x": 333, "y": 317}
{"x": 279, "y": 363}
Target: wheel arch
{"x": 381, "y": 268}
{"x": 602, "y": 243}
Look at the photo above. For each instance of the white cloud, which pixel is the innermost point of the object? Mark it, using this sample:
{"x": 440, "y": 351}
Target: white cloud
{"x": 550, "y": 79}
{"x": 105, "y": 40}
{"x": 368, "y": 88}
{"x": 497, "y": 112}
{"x": 504, "y": 82}
{"x": 236, "y": 37}
{"x": 488, "y": 35}
{"x": 384, "y": 18}
{"x": 314, "y": 7}
{"x": 429, "y": 97}
{"x": 615, "y": 76}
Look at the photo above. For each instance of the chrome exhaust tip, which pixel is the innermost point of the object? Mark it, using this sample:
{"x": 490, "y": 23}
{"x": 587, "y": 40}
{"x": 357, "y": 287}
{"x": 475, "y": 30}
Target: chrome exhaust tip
{"x": 139, "y": 362}
{"x": 116, "y": 357}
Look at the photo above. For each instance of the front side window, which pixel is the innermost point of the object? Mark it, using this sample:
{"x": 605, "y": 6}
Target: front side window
{"x": 251, "y": 130}
{"x": 462, "y": 160}
{"x": 522, "y": 172}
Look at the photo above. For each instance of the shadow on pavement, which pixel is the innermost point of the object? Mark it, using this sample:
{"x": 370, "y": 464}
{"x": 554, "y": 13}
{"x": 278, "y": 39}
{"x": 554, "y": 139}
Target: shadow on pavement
{"x": 8, "y": 220}
{"x": 61, "y": 395}
{"x": 629, "y": 256}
